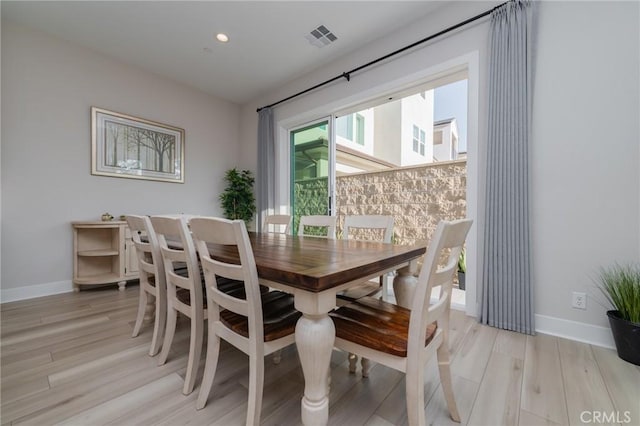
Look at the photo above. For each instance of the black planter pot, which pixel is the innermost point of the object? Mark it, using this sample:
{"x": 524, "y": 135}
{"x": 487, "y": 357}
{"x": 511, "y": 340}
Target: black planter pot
{"x": 626, "y": 334}
{"x": 461, "y": 280}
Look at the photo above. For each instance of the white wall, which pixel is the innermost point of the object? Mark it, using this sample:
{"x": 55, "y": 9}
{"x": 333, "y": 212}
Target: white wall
{"x": 417, "y": 111}
{"x": 48, "y": 87}
{"x": 584, "y": 174}
{"x": 387, "y": 132}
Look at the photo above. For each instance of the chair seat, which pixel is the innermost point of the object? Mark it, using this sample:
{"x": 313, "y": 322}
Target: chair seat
{"x": 231, "y": 287}
{"x": 377, "y": 325}
{"x": 368, "y": 288}
{"x": 278, "y": 313}
{"x": 184, "y": 296}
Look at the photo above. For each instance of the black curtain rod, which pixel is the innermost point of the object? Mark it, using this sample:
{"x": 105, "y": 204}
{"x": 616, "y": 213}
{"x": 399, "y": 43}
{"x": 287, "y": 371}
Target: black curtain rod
{"x": 347, "y": 75}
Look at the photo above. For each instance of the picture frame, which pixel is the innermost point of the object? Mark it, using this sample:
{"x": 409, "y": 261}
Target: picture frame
{"x": 125, "y": 146}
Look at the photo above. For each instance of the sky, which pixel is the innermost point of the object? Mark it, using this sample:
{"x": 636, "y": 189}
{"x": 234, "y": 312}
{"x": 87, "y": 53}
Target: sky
{"x": 451, "y": 101}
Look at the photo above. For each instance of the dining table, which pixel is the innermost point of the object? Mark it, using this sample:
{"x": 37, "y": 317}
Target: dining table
{"x": 314, "y": 270}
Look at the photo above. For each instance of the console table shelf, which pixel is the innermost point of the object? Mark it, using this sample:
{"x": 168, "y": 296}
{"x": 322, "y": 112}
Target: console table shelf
{"x": 103, "y": 253}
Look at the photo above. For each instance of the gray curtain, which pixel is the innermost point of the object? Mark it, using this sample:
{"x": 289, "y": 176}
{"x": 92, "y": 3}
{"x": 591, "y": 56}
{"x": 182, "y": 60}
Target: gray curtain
{"x": 266, "y": 177}
{"x": 507, "y": 301}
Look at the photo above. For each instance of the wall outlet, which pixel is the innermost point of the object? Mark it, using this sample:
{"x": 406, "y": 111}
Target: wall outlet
{"x": 579, "y": 300}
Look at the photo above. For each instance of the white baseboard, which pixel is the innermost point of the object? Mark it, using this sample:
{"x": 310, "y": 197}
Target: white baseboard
{"x": 38, "y": 290}
{"x": 581, "y": 332}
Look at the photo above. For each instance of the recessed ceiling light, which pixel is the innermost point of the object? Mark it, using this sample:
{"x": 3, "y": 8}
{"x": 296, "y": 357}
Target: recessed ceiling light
{"x": 222, "y": 37}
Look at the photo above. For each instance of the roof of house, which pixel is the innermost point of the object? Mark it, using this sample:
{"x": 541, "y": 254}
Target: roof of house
{"x": 445, "y": 121}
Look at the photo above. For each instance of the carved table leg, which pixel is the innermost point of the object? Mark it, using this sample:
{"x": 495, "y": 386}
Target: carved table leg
{"x": 122, "y": 285}
{"x": 404, "y": 285}
{"x": 315, "y": 335}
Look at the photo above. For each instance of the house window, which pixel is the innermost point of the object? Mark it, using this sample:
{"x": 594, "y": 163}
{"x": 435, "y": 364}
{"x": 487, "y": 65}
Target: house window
{"x": 359, "y": 129}
{"x": 347, "y": 128}
{"x": 419, "y": 137}
{"x": 344, "y": 127}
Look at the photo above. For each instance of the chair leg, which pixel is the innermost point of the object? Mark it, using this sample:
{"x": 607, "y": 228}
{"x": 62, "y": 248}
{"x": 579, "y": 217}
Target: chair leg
{"x": 444, "y": 366}
{"x": 172, "y": 317}
{"x": 210, "y": 366}
{"x": 159, "y": 325}
{"x": 142, "y": 303}
{"x": 365, "y": 367}
{"x": 256, "y": 384}
{"x": 353, "y": 361}
{"x": 195, "y": 351}
{"x": 415, "y": 396}
{"x": 384, "y": 284}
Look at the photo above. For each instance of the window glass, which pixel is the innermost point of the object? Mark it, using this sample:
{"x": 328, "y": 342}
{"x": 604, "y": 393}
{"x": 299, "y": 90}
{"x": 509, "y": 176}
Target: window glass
{"x": 344, "y": 127}
{"x": 359, "y": 129}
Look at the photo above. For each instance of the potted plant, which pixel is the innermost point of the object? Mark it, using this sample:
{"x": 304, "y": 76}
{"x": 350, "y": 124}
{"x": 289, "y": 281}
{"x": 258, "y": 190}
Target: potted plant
{"x": 462, "y": 270}
{"x": 238, "y": 201}
{"x": 621, "y": 287}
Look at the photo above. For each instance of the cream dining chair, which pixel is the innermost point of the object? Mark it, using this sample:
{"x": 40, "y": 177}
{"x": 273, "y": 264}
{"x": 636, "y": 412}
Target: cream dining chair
{"x": 368, "y": 227}
{"x": 184, "y": 291}
{"x": 277, "y": 223}
{"x": 405, "y": 339}
{"x": 152, "y": 278}
{"x": 259, "y": 325}
{"x": 318, "y": 221}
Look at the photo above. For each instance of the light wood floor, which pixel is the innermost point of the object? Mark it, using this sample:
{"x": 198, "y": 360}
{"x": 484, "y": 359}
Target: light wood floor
{"x": 70, "y": 359}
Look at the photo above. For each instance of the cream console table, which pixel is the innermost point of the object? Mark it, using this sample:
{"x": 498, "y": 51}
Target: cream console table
{"x": 103, "y": 253}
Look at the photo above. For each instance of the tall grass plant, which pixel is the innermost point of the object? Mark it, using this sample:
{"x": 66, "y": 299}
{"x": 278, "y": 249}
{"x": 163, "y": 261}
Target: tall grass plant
{"x": 620, "y": 285}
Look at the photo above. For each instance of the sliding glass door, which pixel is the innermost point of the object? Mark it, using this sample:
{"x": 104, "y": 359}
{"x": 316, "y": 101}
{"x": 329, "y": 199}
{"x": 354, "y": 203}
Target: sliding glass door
{"x": 312, "y": 170}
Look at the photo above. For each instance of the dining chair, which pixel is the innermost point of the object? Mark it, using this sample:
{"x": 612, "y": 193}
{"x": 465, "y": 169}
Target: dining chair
{"x": 258, "y": 325}
{"x": 361, "y": 226}
{"x": 152, "y": 278}
{"x": 405, "y": 339}
{"x": 277, "y": 223}
{"x": 184, "y": 290}
{"x": 318, "y": 221}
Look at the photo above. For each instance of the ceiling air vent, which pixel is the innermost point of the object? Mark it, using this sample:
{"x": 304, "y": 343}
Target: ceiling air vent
{"x": 321, "y": 37}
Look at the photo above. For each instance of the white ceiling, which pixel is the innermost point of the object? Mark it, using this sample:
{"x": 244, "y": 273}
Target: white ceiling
{"x": 267, "y": 46}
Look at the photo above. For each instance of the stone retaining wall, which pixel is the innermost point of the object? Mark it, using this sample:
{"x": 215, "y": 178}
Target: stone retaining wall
{"x": 417, "y": 197}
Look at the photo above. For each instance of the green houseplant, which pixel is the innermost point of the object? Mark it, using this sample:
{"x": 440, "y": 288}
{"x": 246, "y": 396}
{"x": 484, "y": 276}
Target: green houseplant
{"x": 238, "y": 201}
{"x": 462, "y": 270}
{"x": 620, "y": 285}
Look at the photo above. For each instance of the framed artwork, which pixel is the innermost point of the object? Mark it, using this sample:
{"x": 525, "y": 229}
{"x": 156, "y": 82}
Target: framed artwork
{"x": 132, "y": 147}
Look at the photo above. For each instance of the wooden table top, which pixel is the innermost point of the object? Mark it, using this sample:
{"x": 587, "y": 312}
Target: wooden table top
{"x": 317, "y": 264}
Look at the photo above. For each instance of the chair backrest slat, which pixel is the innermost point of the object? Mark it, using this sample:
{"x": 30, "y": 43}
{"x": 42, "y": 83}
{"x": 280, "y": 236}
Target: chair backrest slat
{"x": 382, "y": 222}
{"x": 277, "y": 223}
{"x": 328, "y": 222}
